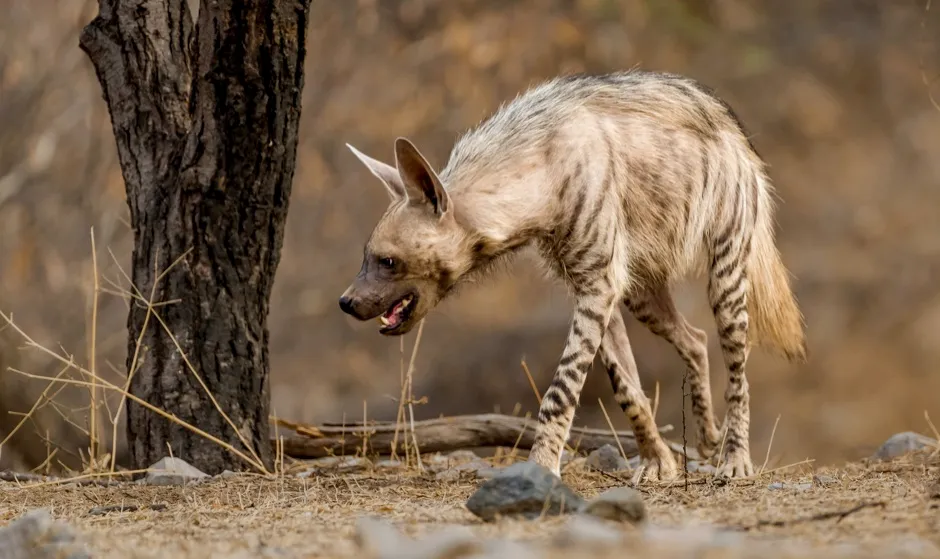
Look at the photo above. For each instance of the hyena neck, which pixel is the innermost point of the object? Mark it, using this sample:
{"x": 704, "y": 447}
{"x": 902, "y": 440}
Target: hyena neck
{"x": 500, "y": 215}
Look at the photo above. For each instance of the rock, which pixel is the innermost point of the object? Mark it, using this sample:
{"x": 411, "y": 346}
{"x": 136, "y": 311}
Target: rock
{"x": 36, "y": 535}
{"x": 489, "y": 473}
{"x": 172, "y": 471}
{"x": 226, "y": 474}
{"x": 779, "y": 485}
{"x": 526, "y": 490}
{"x": 607, "y": 459}
{"x": 902, "y": 443}
{"x": 621, "y": 504}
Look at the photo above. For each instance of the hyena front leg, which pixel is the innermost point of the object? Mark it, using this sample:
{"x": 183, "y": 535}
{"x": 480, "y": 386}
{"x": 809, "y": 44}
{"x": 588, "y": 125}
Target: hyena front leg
{"x": 727, "y": 293}
{"x": 591, "y": 314}
{"x": 658, "y": 462}
{"x": 656, "y": 309}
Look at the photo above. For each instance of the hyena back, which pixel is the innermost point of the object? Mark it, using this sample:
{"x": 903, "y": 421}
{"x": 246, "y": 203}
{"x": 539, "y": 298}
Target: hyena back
{"x": 625, "y": 183}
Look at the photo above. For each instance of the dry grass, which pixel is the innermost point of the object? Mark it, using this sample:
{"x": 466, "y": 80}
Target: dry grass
{"x": 316, "y": 516}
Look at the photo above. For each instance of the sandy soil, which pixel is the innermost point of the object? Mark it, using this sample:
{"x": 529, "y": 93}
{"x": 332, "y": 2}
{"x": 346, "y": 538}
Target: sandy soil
{"x": 317, "y": 516}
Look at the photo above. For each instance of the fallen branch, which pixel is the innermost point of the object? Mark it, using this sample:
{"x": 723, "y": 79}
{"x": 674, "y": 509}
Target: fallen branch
{"x": 444, "y": 435}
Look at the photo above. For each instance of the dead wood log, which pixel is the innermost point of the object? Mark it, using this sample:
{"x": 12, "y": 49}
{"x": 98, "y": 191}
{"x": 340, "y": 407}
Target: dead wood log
{"x": 442, "y": 435}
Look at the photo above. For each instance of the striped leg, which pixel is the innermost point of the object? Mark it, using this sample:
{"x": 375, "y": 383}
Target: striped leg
{"x": 727, "y": 293}
{"x": 656, "y": 309}
{"x": 658, "y": 461}
{"x": 591, "y": 314}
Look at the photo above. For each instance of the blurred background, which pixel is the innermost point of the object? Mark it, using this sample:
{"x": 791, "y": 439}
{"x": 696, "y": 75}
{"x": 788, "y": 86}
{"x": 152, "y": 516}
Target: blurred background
{"x": 837, "y": 97}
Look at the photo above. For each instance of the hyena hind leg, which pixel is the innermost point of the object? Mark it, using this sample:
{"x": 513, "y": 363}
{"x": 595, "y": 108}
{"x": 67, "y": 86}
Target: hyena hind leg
{"x": 656, "y": 309}
{"x": 727, "y": 293}
{"x": 658, "y": 462}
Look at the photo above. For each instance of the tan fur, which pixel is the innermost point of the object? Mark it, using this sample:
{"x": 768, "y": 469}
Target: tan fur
{"x": 777, "y": 320}
{"x": 625, "y": 183}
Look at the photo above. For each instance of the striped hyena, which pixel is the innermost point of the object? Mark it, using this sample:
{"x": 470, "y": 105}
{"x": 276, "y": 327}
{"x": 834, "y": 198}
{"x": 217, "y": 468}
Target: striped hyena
{"x": 625, "y": 183}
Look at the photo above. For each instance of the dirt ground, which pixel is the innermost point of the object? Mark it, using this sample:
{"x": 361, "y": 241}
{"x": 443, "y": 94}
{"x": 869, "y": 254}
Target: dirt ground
{"x": 247, "y": 515}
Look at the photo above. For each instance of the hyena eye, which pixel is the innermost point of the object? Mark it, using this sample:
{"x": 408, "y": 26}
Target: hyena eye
{"x": 387, "y": 262}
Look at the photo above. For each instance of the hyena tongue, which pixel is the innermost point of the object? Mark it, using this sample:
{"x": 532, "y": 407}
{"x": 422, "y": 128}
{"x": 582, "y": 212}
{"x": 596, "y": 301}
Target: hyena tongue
{"x": 393, "y": 316}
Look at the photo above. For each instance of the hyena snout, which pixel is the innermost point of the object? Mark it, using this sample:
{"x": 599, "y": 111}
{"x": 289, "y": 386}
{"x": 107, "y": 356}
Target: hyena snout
{"x": 353, "y": 304}
{"x": 346, "y": 304}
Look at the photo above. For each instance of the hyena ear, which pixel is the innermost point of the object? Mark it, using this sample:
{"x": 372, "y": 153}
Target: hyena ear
{"x": 389, "y": 175}
{"x": 421, "y": 182}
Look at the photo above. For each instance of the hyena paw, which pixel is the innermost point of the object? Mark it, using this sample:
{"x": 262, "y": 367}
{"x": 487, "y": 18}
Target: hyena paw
{"x": 662, "y": 466}
{"x": 708, "y": 441}
{"x": 736, "y": 464}
{"x": 553, "y": 464}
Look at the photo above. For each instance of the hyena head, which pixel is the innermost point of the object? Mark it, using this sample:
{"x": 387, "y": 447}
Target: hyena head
{"x": 416, "y": 251}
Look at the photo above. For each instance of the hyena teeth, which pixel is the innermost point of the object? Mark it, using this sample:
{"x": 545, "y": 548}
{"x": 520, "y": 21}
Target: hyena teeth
{"x": 383, "y": 320}
{"x": 406, "y": 301}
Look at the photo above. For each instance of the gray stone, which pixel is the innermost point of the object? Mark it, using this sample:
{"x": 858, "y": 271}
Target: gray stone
{"x": 621, "y": 504}
{"x": 526, "y": 490}
{"x": 607, "y": 459}
{"x": 36, "y": 535}
{"x": 902, "y": 443}
{"x": 172, "y": 471}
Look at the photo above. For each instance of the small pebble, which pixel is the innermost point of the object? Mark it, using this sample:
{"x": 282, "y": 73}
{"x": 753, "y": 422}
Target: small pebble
{"x": 172, "y": 471}
{"x": 607, "y": 459}
{"x": 902, "y": 443}
{"x": 621, "y": 504}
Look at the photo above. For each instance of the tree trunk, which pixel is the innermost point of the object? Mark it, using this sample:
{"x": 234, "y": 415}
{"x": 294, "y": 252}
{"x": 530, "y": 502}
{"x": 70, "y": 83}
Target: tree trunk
{"x": 206, "y": 126}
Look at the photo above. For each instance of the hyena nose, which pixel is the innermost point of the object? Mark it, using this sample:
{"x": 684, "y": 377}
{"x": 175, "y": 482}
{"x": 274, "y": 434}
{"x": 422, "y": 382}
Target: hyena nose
{"x": 346, "y": 304}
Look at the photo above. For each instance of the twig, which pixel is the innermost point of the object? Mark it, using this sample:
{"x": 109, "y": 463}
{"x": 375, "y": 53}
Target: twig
{"x": 528, "y": 375}
{"x": 93, "y": 414}
{"x": 685, "y": 442}
{"x": 838, "y": 515}
{"x": 145, "y": 404}
{"x": 408, "y": 381}
{"x": 152, "y": 311}
{"x": 769, "y": 446}
{"x": 612, "y": 430}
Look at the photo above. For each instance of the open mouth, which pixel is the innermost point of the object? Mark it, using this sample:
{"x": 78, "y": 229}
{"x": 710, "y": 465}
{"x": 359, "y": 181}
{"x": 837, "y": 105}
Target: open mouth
{"x": 397, "y": 315}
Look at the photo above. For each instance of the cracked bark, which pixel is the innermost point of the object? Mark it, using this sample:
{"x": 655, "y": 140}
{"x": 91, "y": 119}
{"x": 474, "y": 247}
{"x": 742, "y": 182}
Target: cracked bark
{"x": 205, "y": 118}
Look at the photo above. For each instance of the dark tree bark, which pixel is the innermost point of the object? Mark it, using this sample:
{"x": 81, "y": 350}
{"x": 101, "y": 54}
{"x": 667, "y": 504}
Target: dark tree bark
{"x": 205, "y": 120}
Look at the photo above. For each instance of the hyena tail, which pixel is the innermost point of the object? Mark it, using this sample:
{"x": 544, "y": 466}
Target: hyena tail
{"x": 774, "y": 316}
